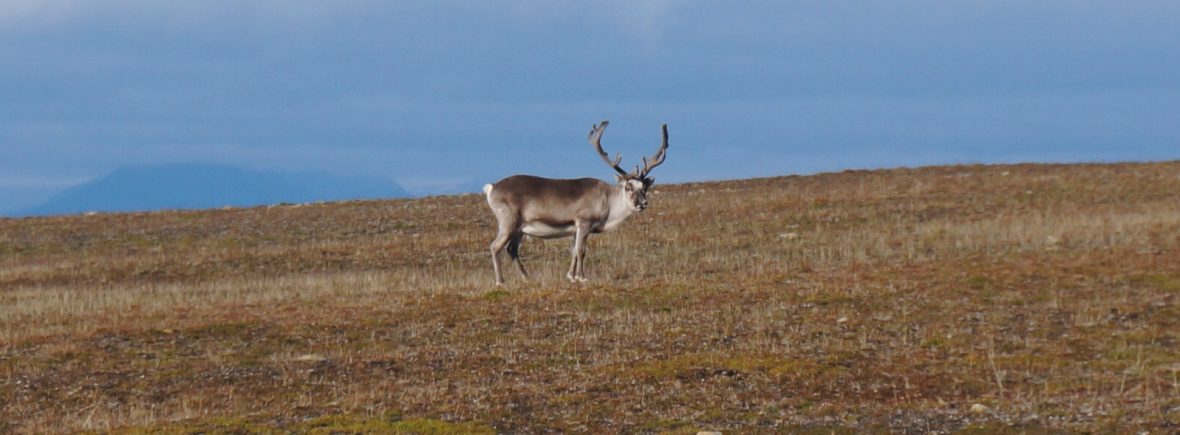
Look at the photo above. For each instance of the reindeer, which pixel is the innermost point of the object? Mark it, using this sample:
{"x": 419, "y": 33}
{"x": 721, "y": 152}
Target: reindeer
{"x": 547, "y": 208}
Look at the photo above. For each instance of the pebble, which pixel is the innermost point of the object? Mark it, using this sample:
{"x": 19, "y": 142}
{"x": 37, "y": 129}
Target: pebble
{"x": 311, "y": 357}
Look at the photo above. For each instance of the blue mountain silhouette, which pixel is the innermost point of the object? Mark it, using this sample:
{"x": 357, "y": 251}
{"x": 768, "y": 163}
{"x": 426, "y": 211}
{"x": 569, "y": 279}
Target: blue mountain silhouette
{"x": 199, "y": 185}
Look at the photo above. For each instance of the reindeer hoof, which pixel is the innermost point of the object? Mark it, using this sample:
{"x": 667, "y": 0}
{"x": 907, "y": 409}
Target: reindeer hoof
{"x": 582, "y": 279}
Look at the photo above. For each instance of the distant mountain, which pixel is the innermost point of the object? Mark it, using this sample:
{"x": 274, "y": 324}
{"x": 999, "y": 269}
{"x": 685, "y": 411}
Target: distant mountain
{"x": 192, "y": 185}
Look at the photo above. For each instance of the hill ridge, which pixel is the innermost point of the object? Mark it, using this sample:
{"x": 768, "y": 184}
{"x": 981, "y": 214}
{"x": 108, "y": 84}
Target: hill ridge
{"x": 189, "y": 186}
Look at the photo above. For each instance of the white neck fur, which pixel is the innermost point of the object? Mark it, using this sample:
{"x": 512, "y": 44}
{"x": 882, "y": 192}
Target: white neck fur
{"x": 620, "y": 209}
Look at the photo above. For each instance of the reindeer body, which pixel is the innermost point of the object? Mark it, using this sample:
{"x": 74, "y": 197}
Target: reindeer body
{"x": 543, "y": 215}
{"x": 553, "y": 208}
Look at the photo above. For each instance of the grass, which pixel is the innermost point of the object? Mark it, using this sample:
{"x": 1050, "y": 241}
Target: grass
{"x": 328, "y": 424}
{"x": 887, "y": 301}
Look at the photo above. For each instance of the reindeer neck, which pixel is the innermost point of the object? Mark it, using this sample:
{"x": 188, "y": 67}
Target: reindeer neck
{"x": 620, "y": 210}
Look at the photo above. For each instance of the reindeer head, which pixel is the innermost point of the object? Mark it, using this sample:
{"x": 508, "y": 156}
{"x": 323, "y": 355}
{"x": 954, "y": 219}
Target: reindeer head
{"x": 636, "y": 183}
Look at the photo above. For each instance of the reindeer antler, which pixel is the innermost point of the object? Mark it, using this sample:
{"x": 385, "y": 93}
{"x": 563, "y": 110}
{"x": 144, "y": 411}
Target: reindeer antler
{"x": 658, "y": 158}
{"x": 595, "y": 139}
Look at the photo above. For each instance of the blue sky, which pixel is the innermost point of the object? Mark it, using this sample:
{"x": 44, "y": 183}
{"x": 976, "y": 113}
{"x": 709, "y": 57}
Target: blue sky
{"x": 439, "y": 95}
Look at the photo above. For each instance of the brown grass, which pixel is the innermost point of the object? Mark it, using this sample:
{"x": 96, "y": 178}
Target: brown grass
{"x": 864, "y": 300}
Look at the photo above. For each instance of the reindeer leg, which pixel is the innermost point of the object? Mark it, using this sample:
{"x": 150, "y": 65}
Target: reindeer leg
{"x": 514, "y": 252}
{"x": 573, "y": 261}
{"x": 498, "y": 244}
{"x": 576, "y": 251}
{"x": 580, "y": 248}
{"x": 508, "y": 225}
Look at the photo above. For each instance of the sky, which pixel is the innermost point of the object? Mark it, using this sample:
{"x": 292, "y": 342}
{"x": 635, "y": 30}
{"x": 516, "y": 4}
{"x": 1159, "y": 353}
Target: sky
{"x": 444, "y": 95}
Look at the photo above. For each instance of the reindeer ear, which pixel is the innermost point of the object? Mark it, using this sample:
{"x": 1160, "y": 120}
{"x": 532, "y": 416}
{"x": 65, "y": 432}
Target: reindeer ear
{"x": 647, "y": 182}
{"x": 620, "y": 179}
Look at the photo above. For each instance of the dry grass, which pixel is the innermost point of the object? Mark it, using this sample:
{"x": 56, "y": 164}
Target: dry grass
{"x": 863, "y": 300}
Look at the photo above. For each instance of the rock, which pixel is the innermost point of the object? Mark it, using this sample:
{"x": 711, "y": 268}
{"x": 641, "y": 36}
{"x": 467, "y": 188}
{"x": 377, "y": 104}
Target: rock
{"x": 789, "y": 236}
{"x": 311, "y": 357}
{"x": 842, "y": 320}
{"x": 980, "y": 408}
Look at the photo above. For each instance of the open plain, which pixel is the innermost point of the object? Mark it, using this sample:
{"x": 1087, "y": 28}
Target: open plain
{"x": 1022, "y": 298}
